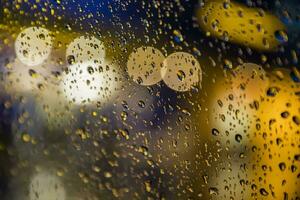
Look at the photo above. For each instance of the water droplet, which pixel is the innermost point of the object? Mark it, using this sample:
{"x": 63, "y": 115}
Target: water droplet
{"x": 281, "y": 36}
{"x": 71, "y": 59}
{"x": 26, "y": 137}
{"x": 297, "y": 157}
{"x": 285, "y": 114}
{"x": 226, "y": 5}
{"x": 213, "y": 191}
{"x": 124, "y": 115}
{"x": 296, "y": 120}
{"x": 148, "y": 186}
{"x": 205, "y": 179}
{"x": 238, "y": 138}
{"x": 181, "y": 75}
{"x": 42, "y": 36}
{"x": 215, "y": 132}
{"x": 293, "y": 168}
{"x": 215, "y": 25}
{"x": 272, "y": 91}
{"x": 90, "y": 69}
{"x": 32, "y": 73}
{"x": 25, "y": 53}
{"x": 282, "y": 166}
{"x": 107, "y": 175}
{"x": 253, "y": 187}
{"x": 177, "y": 36}
{"x": 263, "y": 192}
{"x": 141, "y": 104}
{"x": 295, "y": 75}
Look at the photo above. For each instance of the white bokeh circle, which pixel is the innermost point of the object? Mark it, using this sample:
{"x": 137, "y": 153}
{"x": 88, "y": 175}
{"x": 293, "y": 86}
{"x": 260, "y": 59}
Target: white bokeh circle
{"x": 181, "y": 71}
{"x": 85, "y": 48}
{"x": 144, "y": 65}
{"x": 33, "y": 45}
{"x": 87, "y": 82}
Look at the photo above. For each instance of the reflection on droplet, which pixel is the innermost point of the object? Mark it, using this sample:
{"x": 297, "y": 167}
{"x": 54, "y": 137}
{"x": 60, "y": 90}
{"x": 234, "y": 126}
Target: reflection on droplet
{"x": 213, "y": 191}
{"x": 215, "y": 132}
{"x": 281, "y": 36}
{"x": 144, "y": 65}
{"x": 33, "y": 46}
{"x": 180, "y": 75}
{"x": 282, "y": 166}
{"x": 70, "y": 59}
{"x": 181, "y": 71}
{"x": 263, "y": 192}
{"x": 238, "y": 137}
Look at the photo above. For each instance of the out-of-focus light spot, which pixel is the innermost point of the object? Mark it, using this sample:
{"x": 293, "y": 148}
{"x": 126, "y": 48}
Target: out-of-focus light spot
{"x": 181, "y": 71}
{"x": 87, "y": 82}
{"x": 25, "y": 79}
{"x": 45, "y": 186}
{"x": 249, "y": 81}
{"x": 85, "y": 48}
{"x": 279, "y": 132}
{"x": 243, "y": 25}
{"x": 231, "y": 175}
{"x": 33, "y": 46}
{"x": 144, "y": 65}
{"x": 230, "y": 116}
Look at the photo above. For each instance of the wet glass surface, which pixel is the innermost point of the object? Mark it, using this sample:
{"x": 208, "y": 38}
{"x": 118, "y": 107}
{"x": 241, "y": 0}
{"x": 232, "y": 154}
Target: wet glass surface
{"x": 161, "y": 99}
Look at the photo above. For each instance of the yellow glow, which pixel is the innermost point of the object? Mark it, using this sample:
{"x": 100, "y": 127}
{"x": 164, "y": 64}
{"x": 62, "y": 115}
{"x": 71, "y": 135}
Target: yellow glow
{"x": 239, "y": 24}
{"x": 230, "y": 115}
{"x": 249, "y": 82}
{"x": 276, "y": 139}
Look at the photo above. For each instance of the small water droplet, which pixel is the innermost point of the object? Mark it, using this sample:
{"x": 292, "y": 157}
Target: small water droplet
{"x": 281, "y": 36}
{"x": 25, "y": 53}
{"x": 263, "y": 192}
{"x": 90, "y": 69}
{"x": 141, "y": 104}
{"x": 181, "y": 75}
{"x": 272, "y": 91}
{"x": 296, "y": 120}
{"x": 71, "y": 59}
{"x": 213, "y": 191}
{"x": 285, "y": 114}
{"x": 238, "y": 138}
{"x": 42, "y": 36}
{"x": 215, "y": 132}
{"x": 26, "y": 137}
{"x": 282, "y": 166}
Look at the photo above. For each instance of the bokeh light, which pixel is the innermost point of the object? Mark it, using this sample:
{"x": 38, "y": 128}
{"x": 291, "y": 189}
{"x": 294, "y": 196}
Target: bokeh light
{"x": 33, "y": 45}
